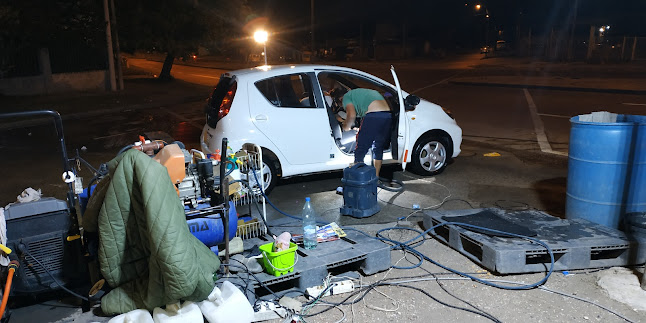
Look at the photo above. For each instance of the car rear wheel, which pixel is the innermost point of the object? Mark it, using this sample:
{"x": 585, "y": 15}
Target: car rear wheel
{"x": 430, "y": 155}
{"x": 269, "y": 173}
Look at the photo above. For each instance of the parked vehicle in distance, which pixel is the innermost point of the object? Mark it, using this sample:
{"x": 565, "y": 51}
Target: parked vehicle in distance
{"x": 501, "y": 45}
{"x": 287, "y": 111}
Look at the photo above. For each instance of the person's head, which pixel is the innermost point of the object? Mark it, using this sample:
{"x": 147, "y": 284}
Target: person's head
{"x": 337, "y": 95}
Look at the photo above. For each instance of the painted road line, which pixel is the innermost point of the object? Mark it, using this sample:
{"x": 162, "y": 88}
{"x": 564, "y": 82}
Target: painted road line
{"x": 207, "y": 76}
{"x": 554, "y": 115}
{"x": 538, "y": 124}
{"x": 628, "y": 103}
{"x": 180, "y": 117}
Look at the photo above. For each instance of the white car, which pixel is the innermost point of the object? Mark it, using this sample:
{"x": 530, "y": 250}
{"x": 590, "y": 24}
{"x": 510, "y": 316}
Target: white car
{"x": 286, "y": 111}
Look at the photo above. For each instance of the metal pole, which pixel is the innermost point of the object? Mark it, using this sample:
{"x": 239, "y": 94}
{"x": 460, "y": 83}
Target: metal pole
{"x": 116, "y": 44}
{"x": 108, "y": 38}
{"x": 312, "y": 24}
{"x": 264, "y": 46}
{"x": 224, "y": 192}
{"x": 570, "y": 55}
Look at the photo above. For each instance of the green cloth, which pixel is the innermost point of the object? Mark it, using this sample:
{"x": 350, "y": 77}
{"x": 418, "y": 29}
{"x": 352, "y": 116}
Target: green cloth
{"x": 361, "y": 99}
{"x": 146, "y": 252}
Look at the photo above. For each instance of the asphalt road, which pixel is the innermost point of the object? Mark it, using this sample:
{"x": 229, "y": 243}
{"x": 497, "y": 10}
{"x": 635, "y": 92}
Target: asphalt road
{"x": 504, "y": 120}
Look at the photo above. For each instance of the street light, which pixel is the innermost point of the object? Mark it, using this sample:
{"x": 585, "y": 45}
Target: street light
{"x": 478, "y": 6}
{"x": 261, "y": 36}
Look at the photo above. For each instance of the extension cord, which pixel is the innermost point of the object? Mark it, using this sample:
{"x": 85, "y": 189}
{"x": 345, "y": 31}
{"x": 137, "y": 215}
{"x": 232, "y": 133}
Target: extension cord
{"x": 268, "y": 311}
{"x": 341, "y": 287}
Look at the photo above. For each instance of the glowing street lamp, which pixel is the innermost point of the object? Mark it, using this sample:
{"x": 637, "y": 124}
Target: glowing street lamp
{"x": 261, "y": 36}
{"x": 478, "y": 6}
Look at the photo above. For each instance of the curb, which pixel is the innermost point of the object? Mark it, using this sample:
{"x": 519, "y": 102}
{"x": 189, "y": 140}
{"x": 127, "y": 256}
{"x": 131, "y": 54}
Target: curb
{"x": 549, "y": 87}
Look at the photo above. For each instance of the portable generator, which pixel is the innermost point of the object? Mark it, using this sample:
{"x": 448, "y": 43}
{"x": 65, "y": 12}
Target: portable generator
{"x": 44, "y": 234}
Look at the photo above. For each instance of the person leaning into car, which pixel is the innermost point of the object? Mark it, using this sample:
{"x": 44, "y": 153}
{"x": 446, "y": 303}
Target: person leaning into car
{"x": 371, "y": 106}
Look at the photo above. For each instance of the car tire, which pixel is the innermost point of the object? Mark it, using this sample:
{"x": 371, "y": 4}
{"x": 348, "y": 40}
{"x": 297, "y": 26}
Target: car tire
{"x": 269, "y": 173}
{"x": 430, "y": 155}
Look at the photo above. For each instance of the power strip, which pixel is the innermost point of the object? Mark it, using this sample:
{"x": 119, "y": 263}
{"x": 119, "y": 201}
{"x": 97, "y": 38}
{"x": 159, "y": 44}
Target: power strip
{"x": 341, "y": 287}
{"x": 268, "y": 311}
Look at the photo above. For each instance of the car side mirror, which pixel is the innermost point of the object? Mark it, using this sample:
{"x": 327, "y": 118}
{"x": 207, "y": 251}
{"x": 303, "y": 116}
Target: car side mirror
{"x": 411, "y": 102}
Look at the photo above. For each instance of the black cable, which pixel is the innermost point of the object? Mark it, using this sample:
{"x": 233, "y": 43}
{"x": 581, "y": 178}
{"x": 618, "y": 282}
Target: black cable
{"x": 459, "y": 299}
{"x": 247, "y": 271}
{"x": 383, "y": 186}
{"x": 381, "y": 283}
{"x": 24, "y": 249}
{"x": 256, "y": 278}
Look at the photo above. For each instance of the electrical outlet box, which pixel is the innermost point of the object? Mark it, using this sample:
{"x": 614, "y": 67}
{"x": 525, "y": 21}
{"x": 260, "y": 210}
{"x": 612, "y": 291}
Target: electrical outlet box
{"x": 265, "y": 311}
{"x": 341, "y": 287}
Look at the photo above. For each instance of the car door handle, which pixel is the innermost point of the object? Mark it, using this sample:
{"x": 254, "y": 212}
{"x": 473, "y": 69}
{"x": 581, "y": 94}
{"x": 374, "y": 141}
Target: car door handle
{"x": 261, "y": 117}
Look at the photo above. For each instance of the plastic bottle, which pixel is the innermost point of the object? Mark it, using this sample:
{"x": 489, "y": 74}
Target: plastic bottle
{"x": 135, "y": 316}
{"x": 226, "y": 305}
{"x": 187, "y": 312}
{"x": 309, "y": 226}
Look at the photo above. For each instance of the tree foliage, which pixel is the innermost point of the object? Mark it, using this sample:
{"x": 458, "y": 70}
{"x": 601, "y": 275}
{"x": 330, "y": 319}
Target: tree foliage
{"x": 176, "y": 27}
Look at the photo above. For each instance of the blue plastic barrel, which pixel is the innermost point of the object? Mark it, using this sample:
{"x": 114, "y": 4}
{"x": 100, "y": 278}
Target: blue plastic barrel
{"x": 210, "y": 229}
{"x": 637, "y": 186}
{"x": 606, "y": 169}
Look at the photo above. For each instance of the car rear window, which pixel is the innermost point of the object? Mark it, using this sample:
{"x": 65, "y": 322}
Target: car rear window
{"x": 288, "y": 91}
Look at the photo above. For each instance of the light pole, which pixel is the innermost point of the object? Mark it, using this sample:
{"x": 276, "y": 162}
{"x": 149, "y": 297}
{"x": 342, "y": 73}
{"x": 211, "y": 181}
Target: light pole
{"x": 261, "y": 36}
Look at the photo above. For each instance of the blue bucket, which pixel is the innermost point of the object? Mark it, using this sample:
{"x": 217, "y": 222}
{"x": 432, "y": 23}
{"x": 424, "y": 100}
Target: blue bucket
{"x": 606, "y": 170}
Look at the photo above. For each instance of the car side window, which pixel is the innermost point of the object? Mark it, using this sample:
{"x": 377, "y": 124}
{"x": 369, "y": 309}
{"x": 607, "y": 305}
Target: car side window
{"x": 330, "y": 80}
{"x": 288, "y": 91}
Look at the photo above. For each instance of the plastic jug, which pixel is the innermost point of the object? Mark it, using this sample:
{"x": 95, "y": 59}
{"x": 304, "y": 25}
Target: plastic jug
{"x": 227, "y": 305}
{"x": 136, "y": 316}
{"x": 188, "y": 312}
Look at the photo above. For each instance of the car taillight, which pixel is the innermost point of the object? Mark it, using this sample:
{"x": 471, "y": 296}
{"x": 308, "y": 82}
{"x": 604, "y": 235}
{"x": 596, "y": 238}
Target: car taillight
{"x": 225, "y": 106}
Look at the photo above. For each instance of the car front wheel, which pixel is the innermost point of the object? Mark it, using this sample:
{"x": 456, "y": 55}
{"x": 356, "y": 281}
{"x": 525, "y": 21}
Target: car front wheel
{"x": 430, "y": 155}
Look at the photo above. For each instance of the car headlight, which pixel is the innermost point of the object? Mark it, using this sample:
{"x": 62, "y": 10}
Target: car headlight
{"x": 448, "y": 113}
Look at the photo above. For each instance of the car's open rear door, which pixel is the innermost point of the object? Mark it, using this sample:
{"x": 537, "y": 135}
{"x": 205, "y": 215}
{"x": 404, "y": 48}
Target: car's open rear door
{"x": 402, "y": 129}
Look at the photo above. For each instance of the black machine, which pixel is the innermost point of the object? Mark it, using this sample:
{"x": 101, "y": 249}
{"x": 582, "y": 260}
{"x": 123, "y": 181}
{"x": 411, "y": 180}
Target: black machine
{"x": 44, "y": 235}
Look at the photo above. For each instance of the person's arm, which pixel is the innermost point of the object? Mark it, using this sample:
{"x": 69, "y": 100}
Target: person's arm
{"x": 350, "y": 116}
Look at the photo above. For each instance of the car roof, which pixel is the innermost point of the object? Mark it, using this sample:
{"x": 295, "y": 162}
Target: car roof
{"x": 265, "y": 71}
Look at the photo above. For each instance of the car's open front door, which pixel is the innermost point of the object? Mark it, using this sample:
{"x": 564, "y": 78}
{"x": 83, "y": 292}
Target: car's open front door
{"x": 402, "y": 129}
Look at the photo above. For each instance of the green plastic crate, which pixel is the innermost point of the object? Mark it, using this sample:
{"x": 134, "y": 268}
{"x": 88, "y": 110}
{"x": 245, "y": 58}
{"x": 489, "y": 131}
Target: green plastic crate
{"x": 278, "y": 263}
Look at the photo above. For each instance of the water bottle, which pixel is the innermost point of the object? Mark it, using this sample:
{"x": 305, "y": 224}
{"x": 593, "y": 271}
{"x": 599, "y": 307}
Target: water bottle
{"x": 309, "y": 226}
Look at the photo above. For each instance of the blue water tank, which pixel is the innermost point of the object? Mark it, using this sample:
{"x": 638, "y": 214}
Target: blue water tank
{"x": 210, "y": 230}
{"x": 606, "y": 169}
{"x": 360, "y": 191}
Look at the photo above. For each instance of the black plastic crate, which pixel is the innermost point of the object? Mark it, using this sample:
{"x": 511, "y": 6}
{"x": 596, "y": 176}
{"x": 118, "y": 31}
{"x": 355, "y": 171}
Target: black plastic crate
{"x": 575, "y": 244}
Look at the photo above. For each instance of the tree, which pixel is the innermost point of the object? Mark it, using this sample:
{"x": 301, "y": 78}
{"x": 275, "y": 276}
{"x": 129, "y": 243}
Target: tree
{"x": 174, "y": 27}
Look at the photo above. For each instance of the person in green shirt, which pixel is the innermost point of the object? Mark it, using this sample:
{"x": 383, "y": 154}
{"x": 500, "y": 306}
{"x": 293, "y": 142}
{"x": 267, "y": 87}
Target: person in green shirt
{"x": 376, "y": 121}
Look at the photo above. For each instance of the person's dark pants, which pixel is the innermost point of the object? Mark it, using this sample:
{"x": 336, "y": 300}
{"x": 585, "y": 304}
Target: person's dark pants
{"x": 375, "y": 128}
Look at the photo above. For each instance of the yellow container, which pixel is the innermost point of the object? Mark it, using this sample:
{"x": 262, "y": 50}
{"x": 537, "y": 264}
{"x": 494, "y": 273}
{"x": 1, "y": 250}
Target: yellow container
{"x": 278, "y": 263}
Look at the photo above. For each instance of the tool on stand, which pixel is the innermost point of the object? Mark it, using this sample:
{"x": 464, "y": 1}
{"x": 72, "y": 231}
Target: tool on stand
{"x": 45, "y": 234}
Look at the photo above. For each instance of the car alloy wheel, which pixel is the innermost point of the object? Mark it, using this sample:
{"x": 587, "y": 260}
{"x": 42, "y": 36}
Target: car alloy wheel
{"x": 430, "y": 156}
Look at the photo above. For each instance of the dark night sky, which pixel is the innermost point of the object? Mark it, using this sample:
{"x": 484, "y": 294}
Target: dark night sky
{"x": 434, "y": 19}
